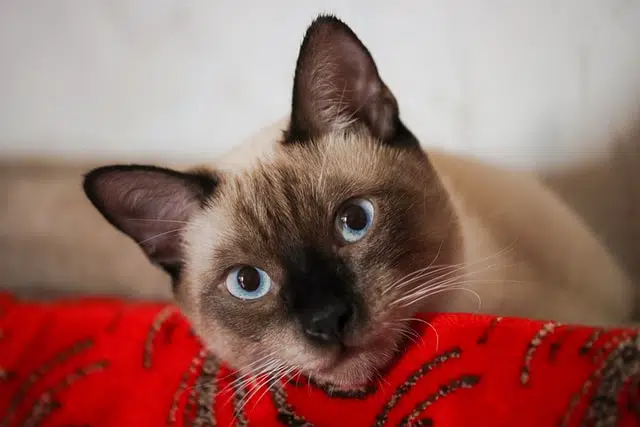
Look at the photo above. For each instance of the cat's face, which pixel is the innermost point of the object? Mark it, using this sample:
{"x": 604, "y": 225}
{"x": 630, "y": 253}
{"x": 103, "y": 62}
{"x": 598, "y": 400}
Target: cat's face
{"x": 304, "y": 260}
{"x": 297, "y": 257}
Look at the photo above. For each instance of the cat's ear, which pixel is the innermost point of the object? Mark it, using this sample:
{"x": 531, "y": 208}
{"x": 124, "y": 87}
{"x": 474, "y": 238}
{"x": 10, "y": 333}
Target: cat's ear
{"x": 150, "y": 204}
{"x": 337, "y": 87}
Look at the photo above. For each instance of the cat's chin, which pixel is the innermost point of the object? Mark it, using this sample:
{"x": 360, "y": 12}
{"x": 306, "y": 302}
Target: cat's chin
{"x": 353, "y": 368}
{"x": 347, "y": 374}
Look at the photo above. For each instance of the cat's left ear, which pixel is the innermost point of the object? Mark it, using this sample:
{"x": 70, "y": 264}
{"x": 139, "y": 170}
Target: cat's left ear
{"x": 337, "y": 88}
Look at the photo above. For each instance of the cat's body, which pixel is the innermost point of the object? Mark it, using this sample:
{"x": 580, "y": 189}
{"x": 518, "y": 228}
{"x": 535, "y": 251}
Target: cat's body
{"x": 537, "y": 258}
{"x": 311, "y": 249}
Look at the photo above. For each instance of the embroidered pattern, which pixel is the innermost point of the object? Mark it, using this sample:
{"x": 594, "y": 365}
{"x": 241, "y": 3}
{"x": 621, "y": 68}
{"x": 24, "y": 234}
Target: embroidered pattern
{"x": 466, "y": 381}
{"x": 182, "y": 386}
{"x": 620, "y": 367}
{"x": 412, "y": 380}
{"x": 546, "y": 330}
{"x": 46, "y": 403}
{"x": 608, "y": 345}
{"x": 555, "y": 346}
{"x": 482, "y": 339}
{"x": 162, "y": 316}
{"x": 37, "y": 390}
{"x": 588, "y": 344}
{"x": 286, "y": 413}
{"x": 115, "y": 323}
{"x": 239, "y": 397}
{"x": 206, "y": 386}
{"x": 32, "y": 379}
{"x": 342, "y": 393}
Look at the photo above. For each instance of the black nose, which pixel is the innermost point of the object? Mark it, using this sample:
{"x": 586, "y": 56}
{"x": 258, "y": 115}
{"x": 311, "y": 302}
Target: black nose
{"x": 327, "y": 325}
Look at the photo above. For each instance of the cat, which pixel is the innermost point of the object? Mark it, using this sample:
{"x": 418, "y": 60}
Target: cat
{"x": 313, "y": 251}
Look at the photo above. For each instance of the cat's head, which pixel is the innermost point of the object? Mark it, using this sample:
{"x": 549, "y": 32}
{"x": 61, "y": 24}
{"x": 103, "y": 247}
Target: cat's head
{"x": 312, "y": 257}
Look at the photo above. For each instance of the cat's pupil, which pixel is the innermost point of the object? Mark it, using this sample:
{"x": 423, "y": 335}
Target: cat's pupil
{"x": 249, "y": 279}
{"x": 354, "y": 217}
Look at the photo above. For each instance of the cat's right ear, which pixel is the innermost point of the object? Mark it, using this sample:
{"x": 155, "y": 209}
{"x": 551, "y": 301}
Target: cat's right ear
{"x": 151, "y": 205}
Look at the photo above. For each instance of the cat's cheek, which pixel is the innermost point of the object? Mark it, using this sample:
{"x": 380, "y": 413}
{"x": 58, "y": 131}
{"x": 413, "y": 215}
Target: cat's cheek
{"x": 371, "y": 286}
{"x": 289, "y": 344}
{"x": 236, "y": 351}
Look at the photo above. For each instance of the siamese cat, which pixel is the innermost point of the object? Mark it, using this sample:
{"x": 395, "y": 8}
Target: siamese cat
{"x": 314, "y": 250}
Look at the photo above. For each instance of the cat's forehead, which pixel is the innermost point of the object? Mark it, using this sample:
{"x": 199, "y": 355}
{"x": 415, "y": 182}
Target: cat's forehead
{"x": 299, "y": 183}
{"x": 310, "y": 176}
{"x": 355, "y": 155}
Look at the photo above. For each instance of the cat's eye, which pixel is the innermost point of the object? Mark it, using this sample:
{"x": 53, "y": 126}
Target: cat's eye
{"x": 248, "y": 283}
{"x": 354, "y": 219}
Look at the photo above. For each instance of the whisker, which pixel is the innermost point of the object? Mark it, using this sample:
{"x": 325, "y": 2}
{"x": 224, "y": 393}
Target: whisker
{"x": 157, "y": 220}
{"x": 433, "y": 328}
{"x": 424, "y": 274}
{"x": 161, "y": 234}
{"x": 411, "y": 276}
{"x": 422, "y": 292}
{"x": 251, "y": 375}
{"x": 309, "y": 379}
{"x": 271, "y": 377}
{"x": 454, "y": 267}
{"x": 439, "y": 282}
{"x": 452, "y": 288}
{"x": 257, "y": 384}
{"x": 255, "y": 362}
{"x": 426, "y": 286}
{"x": 416, "y": 334}
{"x": 281, "y": 376}
{"x": 409, "y": 334}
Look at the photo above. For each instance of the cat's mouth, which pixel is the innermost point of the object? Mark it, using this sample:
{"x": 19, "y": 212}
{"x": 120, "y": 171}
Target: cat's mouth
{"x": 353, "y": 366}
{"x": 344, "y": 355}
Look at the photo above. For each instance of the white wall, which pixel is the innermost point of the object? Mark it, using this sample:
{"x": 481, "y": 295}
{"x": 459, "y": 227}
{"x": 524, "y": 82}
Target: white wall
{"x": 523, "y": 82}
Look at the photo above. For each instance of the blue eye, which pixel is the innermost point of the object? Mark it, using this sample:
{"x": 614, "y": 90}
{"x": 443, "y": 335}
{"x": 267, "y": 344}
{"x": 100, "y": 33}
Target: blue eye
{"x": 248, "y": 283}
{"x": 355, "y": 219}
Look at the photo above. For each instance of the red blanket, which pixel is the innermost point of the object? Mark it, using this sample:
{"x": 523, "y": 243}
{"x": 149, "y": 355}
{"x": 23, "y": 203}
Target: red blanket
{"x": 115, "y": 363}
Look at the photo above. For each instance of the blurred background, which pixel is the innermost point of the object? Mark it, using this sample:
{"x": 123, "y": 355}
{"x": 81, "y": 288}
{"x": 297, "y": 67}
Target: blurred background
{"x": 547, "y": 85}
